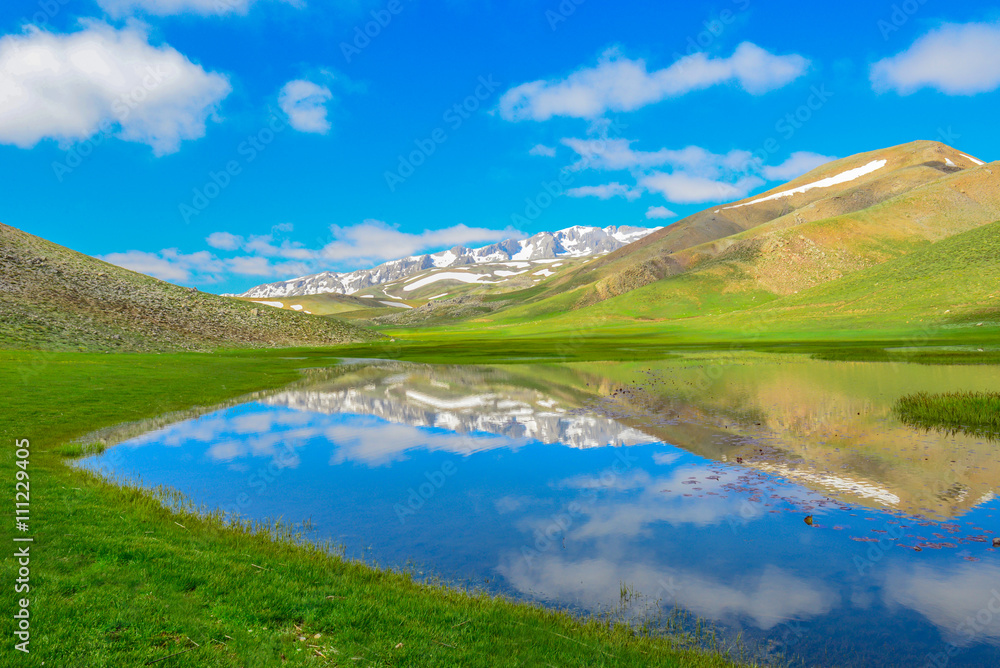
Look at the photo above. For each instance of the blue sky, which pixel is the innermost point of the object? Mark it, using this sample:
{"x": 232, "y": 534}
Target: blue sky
{"x": 227, "y": 143}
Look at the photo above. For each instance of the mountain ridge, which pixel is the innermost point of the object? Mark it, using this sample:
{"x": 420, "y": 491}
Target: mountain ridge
{"x": 572, "y": 242}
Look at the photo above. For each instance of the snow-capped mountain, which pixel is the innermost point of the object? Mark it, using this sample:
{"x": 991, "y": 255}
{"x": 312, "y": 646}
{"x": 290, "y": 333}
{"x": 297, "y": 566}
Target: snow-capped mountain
{"x": 576, "y": 241}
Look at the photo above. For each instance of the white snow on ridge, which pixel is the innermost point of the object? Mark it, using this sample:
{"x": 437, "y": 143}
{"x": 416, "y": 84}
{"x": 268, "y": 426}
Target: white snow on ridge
{"x": 444, "y": 259}
{"x": 843, "y": 177}
{"x": 274, "y": 304}
{"x": 948, "y": 162}
{"x": 524, "y": 253}
{"x": 446, "y": 276}
{"x": 505, "y": 273}
{"x": 443, "y": 294}
{"x": 978, "y": 162}
{"x": 635, "y": 236}
{"x": 544, "y": 272}
{"x": 296, "y": 307}
{"x": 394, "y": 304}
{"x": 573, "y": 242}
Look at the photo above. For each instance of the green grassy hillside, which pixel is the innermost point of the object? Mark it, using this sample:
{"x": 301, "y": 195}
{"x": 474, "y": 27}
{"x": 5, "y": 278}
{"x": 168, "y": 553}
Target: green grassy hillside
{"x": 779, "y": 247}
{"x": 952, "y": 283}
{"x": 57, "y": 299}
{"x": 949, "y": 288}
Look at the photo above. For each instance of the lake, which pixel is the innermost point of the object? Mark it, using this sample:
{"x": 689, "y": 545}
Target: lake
{"x": 774, "y": 496}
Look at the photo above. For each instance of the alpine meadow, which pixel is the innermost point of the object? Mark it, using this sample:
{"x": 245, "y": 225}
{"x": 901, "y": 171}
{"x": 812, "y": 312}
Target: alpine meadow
{"x": 552, "y": 333}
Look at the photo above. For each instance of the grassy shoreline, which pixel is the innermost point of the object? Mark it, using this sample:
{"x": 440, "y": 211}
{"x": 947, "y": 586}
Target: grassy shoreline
{"x": 117, "y": 579}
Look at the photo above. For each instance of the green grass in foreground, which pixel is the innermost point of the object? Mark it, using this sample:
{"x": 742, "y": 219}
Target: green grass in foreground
{"x": 116, "y": 579}
{"x": 975, "y": 413}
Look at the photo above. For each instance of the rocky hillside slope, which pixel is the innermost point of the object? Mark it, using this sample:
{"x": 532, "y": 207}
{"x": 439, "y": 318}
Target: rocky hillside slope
{"x": 57, "y": 299}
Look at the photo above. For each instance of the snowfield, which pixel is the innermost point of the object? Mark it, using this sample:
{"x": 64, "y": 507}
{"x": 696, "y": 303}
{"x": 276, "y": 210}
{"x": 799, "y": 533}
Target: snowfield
{"x": 843, "y": 177}
{"x": 447, "y": 276}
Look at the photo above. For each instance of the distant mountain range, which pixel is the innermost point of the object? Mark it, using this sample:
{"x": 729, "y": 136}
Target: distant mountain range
{"x": 572, "y": 242}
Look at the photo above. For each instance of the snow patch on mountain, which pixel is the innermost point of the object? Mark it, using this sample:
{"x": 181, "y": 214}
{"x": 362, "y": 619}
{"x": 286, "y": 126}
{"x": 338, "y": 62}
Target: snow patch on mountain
{"x": 572, "y": 242}
{"x": 843, "y": 177}
{"x": 447, "y": 276}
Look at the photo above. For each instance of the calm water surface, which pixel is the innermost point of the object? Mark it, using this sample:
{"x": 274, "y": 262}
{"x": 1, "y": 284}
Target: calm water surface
{"x": 689, "y": 481}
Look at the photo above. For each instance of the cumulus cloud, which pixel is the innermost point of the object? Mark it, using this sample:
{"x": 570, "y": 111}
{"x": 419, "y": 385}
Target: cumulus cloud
{"x": 167, "y": 265}
{"x": 543, "y": 150}
{"x": 659, "y": 213}
{"x": 956, "y": 59}
{"x": 100, "y": 79}
{"x": 305, "y": 104}
{"x": 797, "y": 164}
{"x": 618, "y": 154}
{"x": 684, "y": 176}
{"x": 618, "y": 83}
{"x": 377, "y": 241}
{"x": 202, "y": 266}
{"x": 119, "y": 8}
{"x": 684, "y": 188}
{"x": 606, "y": 191}
{"x": 224, "y": 240}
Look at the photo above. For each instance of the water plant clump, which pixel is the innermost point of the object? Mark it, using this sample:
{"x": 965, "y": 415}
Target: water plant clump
{"x": 976, "y": 413}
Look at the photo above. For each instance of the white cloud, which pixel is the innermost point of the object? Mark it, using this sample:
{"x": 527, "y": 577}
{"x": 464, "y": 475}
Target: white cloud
{"x": 201, "y": 267}
{"x": 605, "y": 191}
{"x": 797, "y": 164}
{"x": 119, "y": 8}
{"x": 618, "y": 154}
{"x": 956, "y": 59}
{"x": 684, "y": 188}
{"x": 71, "y": 86}
{"x": 224, "y": 240}
{"x": 659, "y": 213}
{"x": 167, "y": 265}
{"x": 618, "y": 83}
{"x": 686, "y": 176}
{"x": 377, "y": 241}
{"x": 543, "y": 150}
{"x": 305, "y": 104}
